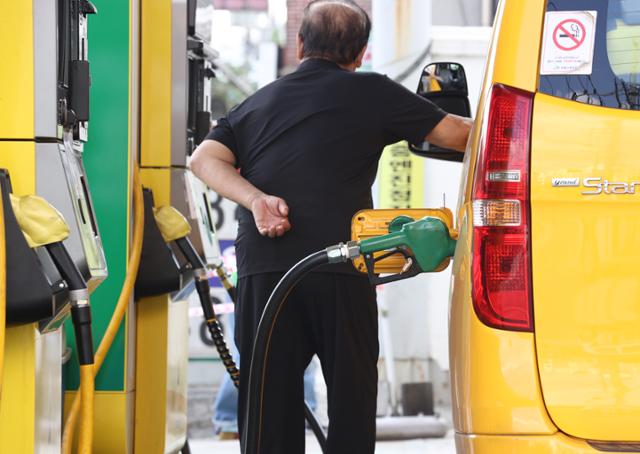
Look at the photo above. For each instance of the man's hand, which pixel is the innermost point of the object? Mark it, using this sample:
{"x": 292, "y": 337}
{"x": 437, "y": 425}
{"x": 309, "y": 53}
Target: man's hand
{"x": 271, "y": 215}
{"x": 214, "y": 164}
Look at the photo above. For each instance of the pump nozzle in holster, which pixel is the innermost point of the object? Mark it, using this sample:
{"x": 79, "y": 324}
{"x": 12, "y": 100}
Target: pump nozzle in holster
{"x": 43, "y": 225}
{"x": 425, "y": 245}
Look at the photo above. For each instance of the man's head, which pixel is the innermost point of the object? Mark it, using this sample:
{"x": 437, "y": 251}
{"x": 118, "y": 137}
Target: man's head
{"x": 336, "y": 30}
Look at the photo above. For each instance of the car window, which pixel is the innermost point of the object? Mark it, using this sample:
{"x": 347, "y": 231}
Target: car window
{"x": 614, "y": 77}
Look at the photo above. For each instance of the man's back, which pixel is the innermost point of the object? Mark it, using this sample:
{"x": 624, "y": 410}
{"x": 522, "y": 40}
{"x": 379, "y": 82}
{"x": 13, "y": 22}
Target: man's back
{"x": 314, "y": 138}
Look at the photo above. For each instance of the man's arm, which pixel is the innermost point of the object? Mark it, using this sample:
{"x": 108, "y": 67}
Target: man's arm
{"x": 452, "y": 133}
{"x": 214, "y": 163}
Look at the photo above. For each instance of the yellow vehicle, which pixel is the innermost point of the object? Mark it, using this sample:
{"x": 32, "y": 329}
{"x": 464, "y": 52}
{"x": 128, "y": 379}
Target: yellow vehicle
{"x": 545, "y": 305}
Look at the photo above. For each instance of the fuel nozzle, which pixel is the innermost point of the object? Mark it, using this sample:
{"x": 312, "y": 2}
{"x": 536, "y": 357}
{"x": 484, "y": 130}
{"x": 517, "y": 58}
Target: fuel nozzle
{"x": 44, "y": 226}
{"x": 425, "y": 244}
{"x": 174, "y": 227}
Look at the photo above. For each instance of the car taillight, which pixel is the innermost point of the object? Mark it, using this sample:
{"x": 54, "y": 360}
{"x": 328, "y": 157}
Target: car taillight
{"x": 501, "y": 252}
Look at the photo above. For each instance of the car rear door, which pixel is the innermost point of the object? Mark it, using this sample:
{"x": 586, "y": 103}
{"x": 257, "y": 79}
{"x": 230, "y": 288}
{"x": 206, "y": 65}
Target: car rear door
{"x": 585, "y": 218}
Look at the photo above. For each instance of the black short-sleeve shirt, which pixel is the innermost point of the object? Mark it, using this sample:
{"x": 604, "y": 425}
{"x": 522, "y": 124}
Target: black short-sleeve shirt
{"x": 314, "y": 138}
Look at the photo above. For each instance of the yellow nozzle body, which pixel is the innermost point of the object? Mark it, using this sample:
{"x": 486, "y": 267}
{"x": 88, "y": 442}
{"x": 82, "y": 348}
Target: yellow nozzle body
{"x": 40, "y": 222}
{"x": 172, "y": 223}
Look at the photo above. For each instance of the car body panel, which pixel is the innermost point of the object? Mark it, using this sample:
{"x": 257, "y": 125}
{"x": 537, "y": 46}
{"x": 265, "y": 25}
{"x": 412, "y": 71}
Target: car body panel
{"x": 558, "y": 443}
{"x": 585, "y": 251}
{"x": 493, "y": 372}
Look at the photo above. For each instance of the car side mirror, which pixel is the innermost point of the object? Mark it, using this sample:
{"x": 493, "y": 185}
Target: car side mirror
{"x": 444, "y": 84}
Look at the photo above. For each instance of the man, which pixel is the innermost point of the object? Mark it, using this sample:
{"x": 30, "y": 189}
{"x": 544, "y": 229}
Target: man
{"x": 307, "y": 147}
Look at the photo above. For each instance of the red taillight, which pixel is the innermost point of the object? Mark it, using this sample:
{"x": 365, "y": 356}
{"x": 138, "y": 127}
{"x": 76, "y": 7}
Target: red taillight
{"x": 501, "y": 253}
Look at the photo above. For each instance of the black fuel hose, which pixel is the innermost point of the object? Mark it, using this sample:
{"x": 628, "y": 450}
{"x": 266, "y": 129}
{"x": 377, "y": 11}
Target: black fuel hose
{"x": 253, "y": 410}
{"x": 211, "y": 320}
{"x": 204, "y": 294}
{"x": 213, "y": 325}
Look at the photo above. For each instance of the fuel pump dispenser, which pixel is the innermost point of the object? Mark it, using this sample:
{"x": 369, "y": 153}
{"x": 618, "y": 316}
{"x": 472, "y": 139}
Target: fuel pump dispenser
{"x": 44, "y": 100}
{"x": 167, "y": 138}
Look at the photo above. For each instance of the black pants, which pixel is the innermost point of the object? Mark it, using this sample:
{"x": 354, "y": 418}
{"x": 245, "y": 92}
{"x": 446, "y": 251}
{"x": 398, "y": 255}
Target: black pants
{"x": 335, "y": 317}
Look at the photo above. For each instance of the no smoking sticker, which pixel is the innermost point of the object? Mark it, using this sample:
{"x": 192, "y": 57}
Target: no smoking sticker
{"x": 569, "y": 34}
{"x": 568, "y": 42}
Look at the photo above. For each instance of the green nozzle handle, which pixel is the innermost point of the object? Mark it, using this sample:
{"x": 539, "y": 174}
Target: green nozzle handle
{"x": 428, "y": 239}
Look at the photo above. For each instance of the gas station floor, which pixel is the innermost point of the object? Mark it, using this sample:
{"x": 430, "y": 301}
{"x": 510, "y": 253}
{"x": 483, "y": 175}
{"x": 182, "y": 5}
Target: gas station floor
{"x": 431, "y": 446}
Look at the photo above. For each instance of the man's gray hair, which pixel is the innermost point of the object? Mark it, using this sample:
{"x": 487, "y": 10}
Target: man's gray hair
{"x": 336, "y": 30}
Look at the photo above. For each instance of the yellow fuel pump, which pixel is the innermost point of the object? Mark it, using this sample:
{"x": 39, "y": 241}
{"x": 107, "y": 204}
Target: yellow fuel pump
{"x": 44, "y": 100}
{"x": 174, "y": 62}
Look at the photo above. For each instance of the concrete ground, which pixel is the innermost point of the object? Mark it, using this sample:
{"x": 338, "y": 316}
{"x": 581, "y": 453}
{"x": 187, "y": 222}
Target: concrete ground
{"x": 431, "y": 446}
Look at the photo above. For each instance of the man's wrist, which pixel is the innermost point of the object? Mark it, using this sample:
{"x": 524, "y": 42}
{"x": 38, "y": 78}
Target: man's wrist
{"x": 252, "y": 198}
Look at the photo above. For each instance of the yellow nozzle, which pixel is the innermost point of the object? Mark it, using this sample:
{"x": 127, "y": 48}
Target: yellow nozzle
{"x": 172, "y": 223}
{"x": 40, "y": 222}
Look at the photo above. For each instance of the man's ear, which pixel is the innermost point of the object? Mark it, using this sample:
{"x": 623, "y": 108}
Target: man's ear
{"x": 361, "y": 57}
{"x": 299, "y": 48}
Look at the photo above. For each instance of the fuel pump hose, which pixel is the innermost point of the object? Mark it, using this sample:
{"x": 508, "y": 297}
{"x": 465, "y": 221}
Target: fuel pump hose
{"x": 213, "y": 325}
{"x": 118, "y": 314}
{"x": 203, "y": 290}
{"x": 261, "y": 344}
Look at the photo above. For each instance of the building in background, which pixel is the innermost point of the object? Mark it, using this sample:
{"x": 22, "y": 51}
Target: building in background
{"x": 249, "y": 35}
